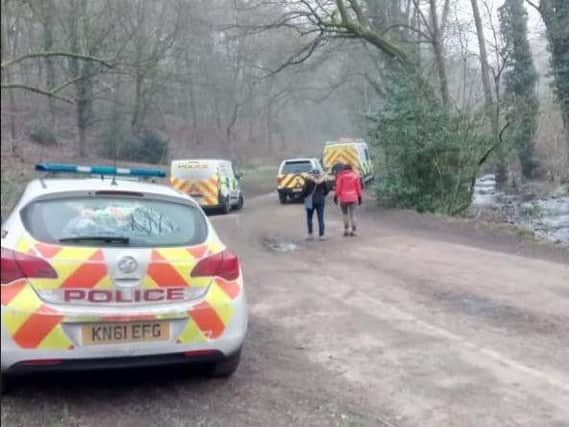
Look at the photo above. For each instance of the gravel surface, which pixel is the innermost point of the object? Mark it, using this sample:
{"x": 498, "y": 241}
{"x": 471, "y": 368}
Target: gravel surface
{"x": 419, "y": 321}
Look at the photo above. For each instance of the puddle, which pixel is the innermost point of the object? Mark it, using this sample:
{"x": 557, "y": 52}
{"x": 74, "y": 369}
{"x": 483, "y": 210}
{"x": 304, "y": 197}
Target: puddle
{"x": 278, "y": 245}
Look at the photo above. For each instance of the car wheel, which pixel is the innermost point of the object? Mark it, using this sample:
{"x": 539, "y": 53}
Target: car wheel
{"x": 3, "y": 384}
{"x": 241, "y": 202}
{"x": 227, "y": 367}
{"x": 282, "y": 198}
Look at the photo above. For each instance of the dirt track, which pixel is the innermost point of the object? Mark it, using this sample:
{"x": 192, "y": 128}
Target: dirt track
{"x": 410, "y": 324}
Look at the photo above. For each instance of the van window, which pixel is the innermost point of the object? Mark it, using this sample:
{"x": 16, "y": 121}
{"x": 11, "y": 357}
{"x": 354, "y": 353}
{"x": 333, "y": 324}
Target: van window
{"x": 297, "y": 166}
{"x": 366, "y": 154}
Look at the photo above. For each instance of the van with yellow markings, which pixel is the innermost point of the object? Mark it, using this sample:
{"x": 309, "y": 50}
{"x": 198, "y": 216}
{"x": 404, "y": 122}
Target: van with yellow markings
{"x": 291, "y": 176}
{"x": 354, "y": 152}
{"x": 213, "y": 183}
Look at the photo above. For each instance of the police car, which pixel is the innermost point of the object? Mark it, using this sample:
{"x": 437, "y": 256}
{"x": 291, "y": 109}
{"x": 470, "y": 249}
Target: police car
{"x": 110, "y": 272}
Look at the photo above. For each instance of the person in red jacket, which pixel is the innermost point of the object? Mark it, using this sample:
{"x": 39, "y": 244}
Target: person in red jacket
{"x": 348, "y": 193}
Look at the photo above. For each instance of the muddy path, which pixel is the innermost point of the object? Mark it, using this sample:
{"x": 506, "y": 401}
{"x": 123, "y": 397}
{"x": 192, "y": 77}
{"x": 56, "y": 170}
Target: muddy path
{"x": 417, "y": 322}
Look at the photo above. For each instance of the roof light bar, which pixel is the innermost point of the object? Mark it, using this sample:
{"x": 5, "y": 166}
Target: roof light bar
{"x": 99, "y": 170}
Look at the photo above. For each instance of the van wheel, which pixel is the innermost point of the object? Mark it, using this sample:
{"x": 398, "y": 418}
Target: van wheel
{"x": 240, "y": 203}
{"x": 282, "y": 198}
{"x": 226, "y": 207}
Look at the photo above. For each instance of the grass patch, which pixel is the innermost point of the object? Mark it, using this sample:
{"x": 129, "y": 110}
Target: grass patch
{"x": 258, "y": 180}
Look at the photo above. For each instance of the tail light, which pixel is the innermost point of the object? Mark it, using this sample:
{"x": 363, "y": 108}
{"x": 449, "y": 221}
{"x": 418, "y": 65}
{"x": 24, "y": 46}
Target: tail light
{"x": 224, "y": 264}
{"x": 16, "y": 265}
{"x": 279, "y": 179}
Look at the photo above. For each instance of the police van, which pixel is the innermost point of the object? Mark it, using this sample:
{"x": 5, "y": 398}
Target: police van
{"x": 291, "y": 176}
{"x": 213, "y": 183}
{"x": 354, "y": 152}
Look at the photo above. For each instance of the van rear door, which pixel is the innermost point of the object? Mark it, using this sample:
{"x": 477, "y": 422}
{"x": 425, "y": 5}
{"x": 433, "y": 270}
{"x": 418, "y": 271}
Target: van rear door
{"x": 197, "y": 178}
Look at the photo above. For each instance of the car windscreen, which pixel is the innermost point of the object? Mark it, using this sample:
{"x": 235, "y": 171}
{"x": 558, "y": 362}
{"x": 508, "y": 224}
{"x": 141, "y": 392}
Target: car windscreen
{"x": 297, "y": 167}
{"x": 113, "y": 220}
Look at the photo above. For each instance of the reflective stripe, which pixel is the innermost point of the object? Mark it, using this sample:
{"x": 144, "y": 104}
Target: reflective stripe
{"x": 32, "y": 324}
{"x": 344, "y": 155}
{"x": 206, "y": 188}
{"x": 291, "y": 181}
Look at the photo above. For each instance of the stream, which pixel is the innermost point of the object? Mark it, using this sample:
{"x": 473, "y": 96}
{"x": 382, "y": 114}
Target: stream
{"x": 547, "y": 217}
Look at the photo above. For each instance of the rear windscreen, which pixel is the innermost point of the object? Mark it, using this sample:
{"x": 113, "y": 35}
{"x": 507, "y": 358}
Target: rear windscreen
{"x": 130, "y": 221}
{"x": 297, "y": 167}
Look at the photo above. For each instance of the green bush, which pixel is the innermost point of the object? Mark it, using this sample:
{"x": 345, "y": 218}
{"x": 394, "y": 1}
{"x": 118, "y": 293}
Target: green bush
{"x": 430, "y": 154}
{"x": 150, "y": 146}
{"x": 42, "y": 133}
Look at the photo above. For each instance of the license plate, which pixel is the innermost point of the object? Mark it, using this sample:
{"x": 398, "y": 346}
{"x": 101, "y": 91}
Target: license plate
{"x": 117, "y": 333}
{"x": 297, "y": 190}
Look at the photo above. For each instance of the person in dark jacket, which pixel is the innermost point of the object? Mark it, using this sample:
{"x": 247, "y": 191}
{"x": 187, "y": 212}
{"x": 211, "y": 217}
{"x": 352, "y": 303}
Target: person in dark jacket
{"x": 314, "y": 192}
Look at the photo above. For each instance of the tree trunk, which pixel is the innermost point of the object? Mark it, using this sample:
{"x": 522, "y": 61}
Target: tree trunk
{"x": 7, "y": 75}
{"x": 48, "y": 25}
{"x": 269, "y": 115}
{"x": 83, "y": 86}
{"x": 491, "y": 109}
{"x": 439, "y": 52}
{"x": 136, "y": 121}
{"x": 483, "y": 54}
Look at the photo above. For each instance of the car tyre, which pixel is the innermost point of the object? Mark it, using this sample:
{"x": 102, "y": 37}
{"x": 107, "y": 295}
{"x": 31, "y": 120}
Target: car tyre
{"x": 4, "y": 385}
{"x": 282, "y": 198}
{"x": 226, "y": 367}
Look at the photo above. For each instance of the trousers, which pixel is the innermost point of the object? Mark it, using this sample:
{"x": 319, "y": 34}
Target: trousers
{"x": 319, "y": 208}
{"x": 349, "y": 214}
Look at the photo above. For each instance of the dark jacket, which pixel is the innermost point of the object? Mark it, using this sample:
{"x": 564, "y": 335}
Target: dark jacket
{"x": 320, "y": 192}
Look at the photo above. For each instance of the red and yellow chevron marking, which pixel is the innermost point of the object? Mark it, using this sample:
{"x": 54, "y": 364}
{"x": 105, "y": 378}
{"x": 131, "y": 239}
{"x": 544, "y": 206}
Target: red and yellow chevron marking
{"x": 207, "y": 189}
{"x": 30, "y": 323}
{"x": 34, "y": 325}
{"x": 340, "y": 154}
{"x": 76, "y": 267}
{"x": 290, "y": 180}
{"x": 209, "y": 319}
{"x": 172, "y": 267}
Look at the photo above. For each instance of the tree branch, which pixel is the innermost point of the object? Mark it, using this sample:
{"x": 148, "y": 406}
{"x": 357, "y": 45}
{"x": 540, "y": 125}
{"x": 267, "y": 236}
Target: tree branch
{"x": 11, "y": 62}
{"x": 50, "y": 94}
{"x": 535, "y": 6}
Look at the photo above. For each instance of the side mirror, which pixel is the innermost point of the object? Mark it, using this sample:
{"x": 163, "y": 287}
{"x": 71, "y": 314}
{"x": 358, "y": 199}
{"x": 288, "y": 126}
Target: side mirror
{"x": 238, "y": 175}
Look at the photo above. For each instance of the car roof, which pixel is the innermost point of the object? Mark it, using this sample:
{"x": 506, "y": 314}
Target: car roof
{"x": 48, "y": 186}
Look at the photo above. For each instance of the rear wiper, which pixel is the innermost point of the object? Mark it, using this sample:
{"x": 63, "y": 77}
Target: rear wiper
{"x": 106, "y": 239}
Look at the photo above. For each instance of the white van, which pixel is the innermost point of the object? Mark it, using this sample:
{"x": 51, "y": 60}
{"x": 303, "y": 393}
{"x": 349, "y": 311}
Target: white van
{"x": 213, "y": 183}
{"x": 354, "y": 152}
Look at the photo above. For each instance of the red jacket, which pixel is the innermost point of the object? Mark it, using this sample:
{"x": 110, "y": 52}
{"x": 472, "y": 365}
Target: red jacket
{"x": 348, "y": 186}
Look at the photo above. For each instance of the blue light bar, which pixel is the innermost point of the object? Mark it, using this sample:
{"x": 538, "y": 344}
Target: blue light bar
{"x": 99, "y": 170}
